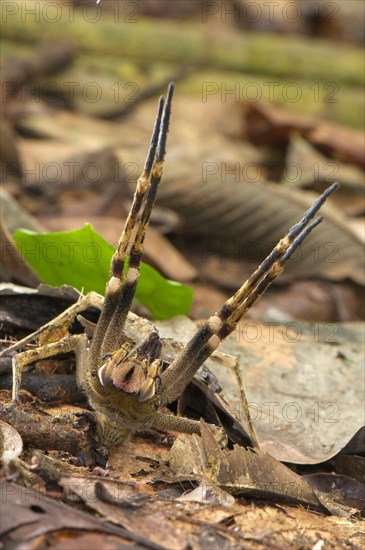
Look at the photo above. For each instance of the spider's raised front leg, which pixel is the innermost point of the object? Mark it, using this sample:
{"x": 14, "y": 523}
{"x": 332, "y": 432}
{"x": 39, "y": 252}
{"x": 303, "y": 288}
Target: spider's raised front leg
{"x": 123, "y": 282}
{"x": 72, "y": 342}
{"x": 177, "y": 376}
{"x": 113, "y": 380}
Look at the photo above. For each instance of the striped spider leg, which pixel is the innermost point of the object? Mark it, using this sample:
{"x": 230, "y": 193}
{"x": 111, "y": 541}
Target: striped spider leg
{"x": 111, "y": 356}
{"x": 177, "y": 376}
{"x": 125, "y": 378}
{"x": 120, "y": 383}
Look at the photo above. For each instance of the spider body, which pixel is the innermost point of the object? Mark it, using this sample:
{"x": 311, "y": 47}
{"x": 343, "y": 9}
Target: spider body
{"x": 124, "y": 367}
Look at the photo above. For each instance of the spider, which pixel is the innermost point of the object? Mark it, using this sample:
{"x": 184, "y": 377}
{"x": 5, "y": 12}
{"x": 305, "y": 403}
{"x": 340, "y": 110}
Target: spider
{"x": 120, "y": 366}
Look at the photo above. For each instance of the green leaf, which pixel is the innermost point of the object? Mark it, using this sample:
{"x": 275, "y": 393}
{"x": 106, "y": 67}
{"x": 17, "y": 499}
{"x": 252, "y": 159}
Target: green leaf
{"x": 81, "y": 258}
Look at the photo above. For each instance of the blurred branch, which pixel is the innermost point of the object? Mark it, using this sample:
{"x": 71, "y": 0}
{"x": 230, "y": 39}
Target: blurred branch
{"x": 48, "y": 58}
{"x": 191, "y": 42}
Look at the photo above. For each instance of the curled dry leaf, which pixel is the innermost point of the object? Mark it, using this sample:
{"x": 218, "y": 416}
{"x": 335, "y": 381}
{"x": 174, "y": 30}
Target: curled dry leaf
{"x": 239, "y": 471}
{"x": 341, "y": 489}
{"x": 120, "y": 503}
{"x": 104, "y": 491}
{"x": 27, "y": 308}
{"x": 304, "y": 385}
{"x": 29, "y": 514}
{"x": 12, "y": 263}
{"x": 315, "y": 168}
{"x": 352, "y": 466}
{"x": 254, "y": 473}
{"x": 268, "y": 124}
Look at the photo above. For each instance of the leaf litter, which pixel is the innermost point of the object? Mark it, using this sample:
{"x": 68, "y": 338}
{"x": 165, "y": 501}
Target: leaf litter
{"x": 147, "y": 469}
{"x": 199, "y": 471}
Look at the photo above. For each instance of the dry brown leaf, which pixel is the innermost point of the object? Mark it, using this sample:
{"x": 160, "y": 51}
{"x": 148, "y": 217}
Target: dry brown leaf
{"x": 311, "y": 169}
{"x": 72, "y": 129}
{"x": 299, "y": 379}
{"x": 28, "y": 514}
{"x": 268, "y": 124}
{"x": 10, "y": 162}
{"x": 350, "y": 465}
{"x": 11, "y": 262}
{"x": 304, "y": 385}
{"x": 156, "y": 527}
{"x": 245, "y": 220}
{"x": 340, "y": 488}
{"x": 240, "y": 471}
{"x": 143, "y": 458}
{"x": 28, "y": 308}
{"x": 14, "y": 215}
{"x": 254, "y": 473}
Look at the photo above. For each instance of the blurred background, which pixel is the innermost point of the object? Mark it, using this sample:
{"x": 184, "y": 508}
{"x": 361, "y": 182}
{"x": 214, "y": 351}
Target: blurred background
{"x": 268, "y": 110}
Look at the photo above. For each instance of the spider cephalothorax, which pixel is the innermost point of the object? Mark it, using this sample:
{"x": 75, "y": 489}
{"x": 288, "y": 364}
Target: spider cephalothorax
{"x": 121, "y": 370}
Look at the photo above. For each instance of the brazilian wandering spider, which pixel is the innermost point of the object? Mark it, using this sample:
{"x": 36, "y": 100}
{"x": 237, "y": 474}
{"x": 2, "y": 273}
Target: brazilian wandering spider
{"x": 128, "y": 382}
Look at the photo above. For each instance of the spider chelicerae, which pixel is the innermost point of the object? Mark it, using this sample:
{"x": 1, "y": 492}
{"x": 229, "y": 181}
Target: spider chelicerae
{"x": 125, "y": 376}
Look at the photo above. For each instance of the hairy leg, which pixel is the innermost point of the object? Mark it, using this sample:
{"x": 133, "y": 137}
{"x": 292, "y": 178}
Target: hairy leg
{"x": 69, "y": 343}
{"x": 122, "y": 286}
{"x": 208, "y": 337}
{"x": 65, "y": 319}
